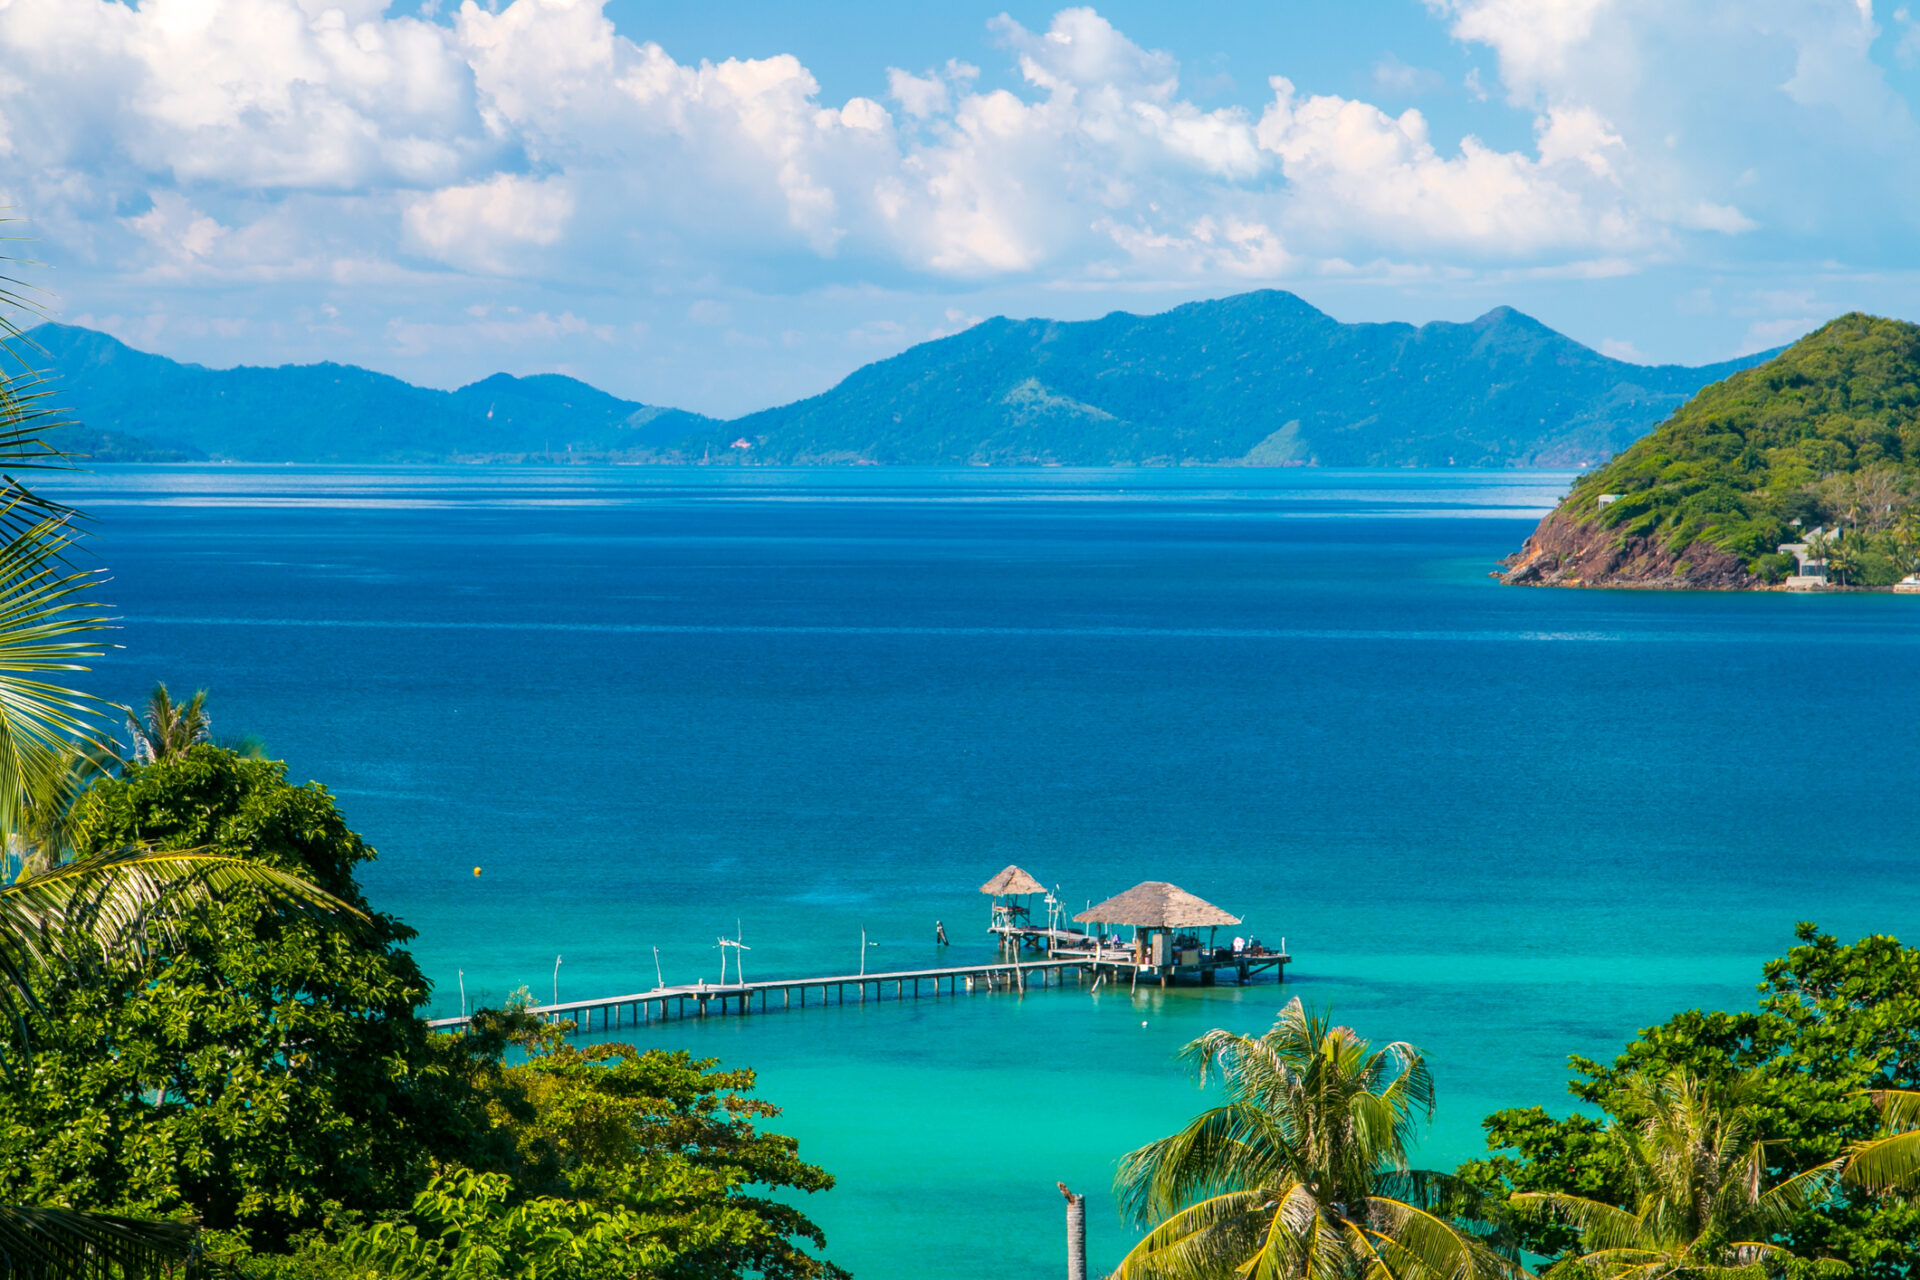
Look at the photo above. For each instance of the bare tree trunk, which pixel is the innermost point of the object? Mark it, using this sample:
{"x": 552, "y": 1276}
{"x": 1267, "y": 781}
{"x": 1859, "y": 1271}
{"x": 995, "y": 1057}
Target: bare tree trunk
{"x": 1076, "y": 1234}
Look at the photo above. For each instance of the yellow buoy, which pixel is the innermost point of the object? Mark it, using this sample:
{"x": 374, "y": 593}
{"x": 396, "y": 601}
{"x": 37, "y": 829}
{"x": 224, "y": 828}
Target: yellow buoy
{"x": 476, "y": 871}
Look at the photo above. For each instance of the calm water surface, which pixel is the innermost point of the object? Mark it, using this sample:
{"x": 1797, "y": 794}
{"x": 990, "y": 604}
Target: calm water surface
{"x": 1507, "y": 825}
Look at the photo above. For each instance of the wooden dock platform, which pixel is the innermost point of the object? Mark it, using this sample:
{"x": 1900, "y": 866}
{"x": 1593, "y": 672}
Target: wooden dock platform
{"x": 643, "y": 1008}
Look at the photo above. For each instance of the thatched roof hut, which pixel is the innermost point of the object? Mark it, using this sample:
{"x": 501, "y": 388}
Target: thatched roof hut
{"x": 1012, "y": 880}
{"x": 1155, "y": 904}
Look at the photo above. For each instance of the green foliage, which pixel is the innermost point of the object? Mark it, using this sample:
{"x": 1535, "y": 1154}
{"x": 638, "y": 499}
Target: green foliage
{"x": 1833, "y": 1021}
{"x": 1826, "y": 433}
{"x": 625, "y": 1164}
{"x": 1699, "y": 1206}
{"x": 253, "y": 1065}
{"x": 271, "y": 1076}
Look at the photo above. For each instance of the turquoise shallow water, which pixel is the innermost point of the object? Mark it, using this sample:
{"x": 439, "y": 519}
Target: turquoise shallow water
{"x": 1507, "y": 825}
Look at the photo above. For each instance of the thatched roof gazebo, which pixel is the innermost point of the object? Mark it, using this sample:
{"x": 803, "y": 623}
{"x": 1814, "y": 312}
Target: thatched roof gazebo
{"x": 1012, "y": 881}
{"x": 1155, "y": 904}
{"x": 1012, "y": 919}
{"x": 1160, "y": 915}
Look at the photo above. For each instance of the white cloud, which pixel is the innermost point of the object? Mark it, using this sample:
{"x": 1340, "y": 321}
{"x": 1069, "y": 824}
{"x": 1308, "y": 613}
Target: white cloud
{"x": 1355, "y": 166}
{"x": 539, "y": 140}
{"x": 484, "y": 225}
{"x": 1724, "y": 116}
{"x": 1533, "y": 38}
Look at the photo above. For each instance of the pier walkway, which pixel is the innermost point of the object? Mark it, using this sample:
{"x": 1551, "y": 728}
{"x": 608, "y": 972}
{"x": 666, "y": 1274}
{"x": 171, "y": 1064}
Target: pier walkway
{"x": 699, "y": 1000}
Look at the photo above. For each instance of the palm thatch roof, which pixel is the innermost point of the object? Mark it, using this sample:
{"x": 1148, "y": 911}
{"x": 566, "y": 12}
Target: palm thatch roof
{"x": 1155, "y": 904}
{"x": 1012, "y": 880}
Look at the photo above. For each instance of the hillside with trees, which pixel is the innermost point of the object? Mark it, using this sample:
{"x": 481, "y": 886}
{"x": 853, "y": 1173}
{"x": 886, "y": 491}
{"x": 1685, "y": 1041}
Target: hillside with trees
{"x": 1261, "y": 378}
{"x": 1822, "y": 441}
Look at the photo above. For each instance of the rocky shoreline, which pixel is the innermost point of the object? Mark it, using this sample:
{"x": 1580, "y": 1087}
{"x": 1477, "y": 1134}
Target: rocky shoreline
{"x": 1566, "y": 552}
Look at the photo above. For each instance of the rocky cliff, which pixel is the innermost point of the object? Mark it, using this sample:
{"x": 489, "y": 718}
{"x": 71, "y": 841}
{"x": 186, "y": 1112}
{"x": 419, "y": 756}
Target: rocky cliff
{"x": 1568, "y": 552}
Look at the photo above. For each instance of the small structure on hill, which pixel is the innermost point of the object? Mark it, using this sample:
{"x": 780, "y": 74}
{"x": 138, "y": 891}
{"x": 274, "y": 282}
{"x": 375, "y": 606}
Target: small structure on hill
{"x": 1810, "y": 567}
{"x": 1164, "y": 918}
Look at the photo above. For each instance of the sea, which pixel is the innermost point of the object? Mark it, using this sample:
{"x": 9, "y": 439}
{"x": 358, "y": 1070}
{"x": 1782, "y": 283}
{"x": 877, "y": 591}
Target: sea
{"x": 814, "y": 709}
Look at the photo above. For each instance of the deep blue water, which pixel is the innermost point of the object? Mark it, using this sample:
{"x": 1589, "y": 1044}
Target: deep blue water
{"x": 1505, "y": 824}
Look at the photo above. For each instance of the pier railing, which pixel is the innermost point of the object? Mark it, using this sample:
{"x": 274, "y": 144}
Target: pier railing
{"x": 642, "y": 1008}
{"x": 739, "y": 998}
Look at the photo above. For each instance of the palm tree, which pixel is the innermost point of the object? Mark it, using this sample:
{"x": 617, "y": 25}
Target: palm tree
{"x": 1844, "y": 559}
{"x": 1698, "y": 1164}
{"x": 168, "y": 728}
{"x": 1301, "y": 1173}
{"x": 1819, "y": 546}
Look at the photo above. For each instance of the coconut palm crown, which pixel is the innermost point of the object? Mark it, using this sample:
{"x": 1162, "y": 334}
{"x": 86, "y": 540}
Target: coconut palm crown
{"x": 1301, "y": 1173}
{"x": 1701, "y": 1206}
{"x": 169, "y": 729}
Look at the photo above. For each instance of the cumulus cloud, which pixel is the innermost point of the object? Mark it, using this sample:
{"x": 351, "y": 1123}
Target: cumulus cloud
{"x": 1723, "y": 116}
{"x": 535, "y": 139}
{"x": 483, "y": 225}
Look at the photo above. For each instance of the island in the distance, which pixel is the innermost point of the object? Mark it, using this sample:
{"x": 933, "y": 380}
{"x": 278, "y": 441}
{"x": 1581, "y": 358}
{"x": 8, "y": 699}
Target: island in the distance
{"x": 1803, "y": 471}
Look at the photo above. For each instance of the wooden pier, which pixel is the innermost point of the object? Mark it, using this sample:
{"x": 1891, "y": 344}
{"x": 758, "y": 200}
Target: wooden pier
{"x": 643, "y": 1008}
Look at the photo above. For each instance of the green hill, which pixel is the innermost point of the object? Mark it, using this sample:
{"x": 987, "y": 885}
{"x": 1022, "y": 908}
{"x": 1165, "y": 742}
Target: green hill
{"x": 1260, "y": 377}
{"x": 1824, "y": 435}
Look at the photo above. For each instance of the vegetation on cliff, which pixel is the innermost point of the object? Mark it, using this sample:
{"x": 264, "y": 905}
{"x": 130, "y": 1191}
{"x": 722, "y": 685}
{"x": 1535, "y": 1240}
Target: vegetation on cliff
{"x": 1825, "y": 435}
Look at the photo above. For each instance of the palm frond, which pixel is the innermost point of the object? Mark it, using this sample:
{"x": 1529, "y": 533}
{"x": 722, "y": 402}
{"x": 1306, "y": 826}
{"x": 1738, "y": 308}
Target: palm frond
{"x": 1224, "y": 1148}
{"x": 1885, "y": 1164}
{"x": 1432, "y": 1248}
{"x": 65, "y": 1244}
{"x": 1899, "y": 1109}
{"x": 1205, "y": 1240}
{"x": 1601, "y": 1226}
{"x": 1810, "y": 1189}
{"x": 43, "y": 625}
{"x": 95, "y": 908}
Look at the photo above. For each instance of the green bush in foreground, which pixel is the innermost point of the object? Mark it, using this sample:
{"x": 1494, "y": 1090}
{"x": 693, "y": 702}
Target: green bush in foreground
{"x": 1834, "y": 1020}
{"x": 272, "y": 1076}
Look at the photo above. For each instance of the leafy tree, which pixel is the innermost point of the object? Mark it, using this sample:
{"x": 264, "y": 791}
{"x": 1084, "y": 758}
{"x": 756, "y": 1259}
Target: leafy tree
{"x": 1302, "y": 1172}
{"x": 1835, "y": 1024}
{"x": 274, "y": 1079}
{"x": 257, "y": 1064}
{"x": 630, "y": 1164}
{"x": 669, "y": 1138}
{"x": 1700, "y": 1208}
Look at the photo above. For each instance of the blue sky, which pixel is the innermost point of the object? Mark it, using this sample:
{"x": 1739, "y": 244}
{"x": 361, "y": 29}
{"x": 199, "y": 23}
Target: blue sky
{"x": 729, "y": 205}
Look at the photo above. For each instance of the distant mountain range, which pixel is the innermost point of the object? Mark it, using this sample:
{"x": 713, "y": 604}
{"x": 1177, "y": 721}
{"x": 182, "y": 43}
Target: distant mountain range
{"x": 151, "y": 409}
{"x": 1261, "y": 378}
